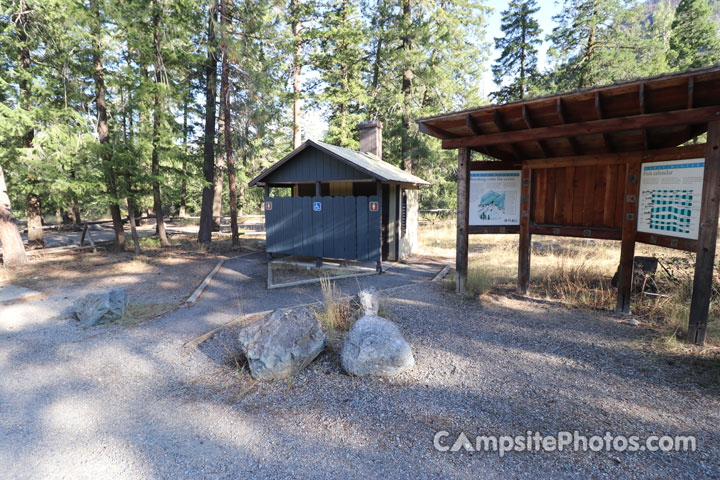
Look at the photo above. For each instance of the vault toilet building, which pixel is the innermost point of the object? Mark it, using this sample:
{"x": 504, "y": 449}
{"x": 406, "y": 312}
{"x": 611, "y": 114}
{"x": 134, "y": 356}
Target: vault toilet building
{"x": 343, "y": 204}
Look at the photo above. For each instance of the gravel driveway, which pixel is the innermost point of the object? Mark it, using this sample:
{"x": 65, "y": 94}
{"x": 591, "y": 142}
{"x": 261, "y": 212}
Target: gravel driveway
{"x": 113, "y": 402}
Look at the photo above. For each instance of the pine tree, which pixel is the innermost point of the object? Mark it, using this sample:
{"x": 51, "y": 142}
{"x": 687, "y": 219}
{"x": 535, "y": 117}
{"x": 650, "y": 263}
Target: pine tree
{"x": 262, "y": 95}
{"x": 297, "y": 13}
{"x": 227, "y": 127}
{"x": 103, "y": 130}
{"x": 205, "y": 231}
{"x": 159, "y": 79}
{"x": 694, "y": 41}
{"x": 408, "y": 46}
{"x": 518, "y": 47}
{"x": 652, "y": 59}
{"x": 595, "y": 42}
{"x": 339, "y": 57}
{"x": 25, "y": 19}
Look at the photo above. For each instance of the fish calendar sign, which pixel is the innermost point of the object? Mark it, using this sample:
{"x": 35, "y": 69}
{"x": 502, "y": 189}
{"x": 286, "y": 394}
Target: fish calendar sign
{"x": 670, "y": 198}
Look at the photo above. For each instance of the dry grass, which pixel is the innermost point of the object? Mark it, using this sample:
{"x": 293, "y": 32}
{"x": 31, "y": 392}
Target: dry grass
{"x": 578, "y": 272}
{"x": 138, "y": 313}
{"x": 336, "y": 313}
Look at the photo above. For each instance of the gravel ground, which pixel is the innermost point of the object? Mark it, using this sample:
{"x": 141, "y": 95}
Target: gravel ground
{"x": 114, "y": 402}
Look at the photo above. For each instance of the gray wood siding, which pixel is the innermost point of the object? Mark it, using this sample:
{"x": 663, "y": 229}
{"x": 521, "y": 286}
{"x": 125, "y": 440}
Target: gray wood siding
{"x": 343, "y": 228}
{"x": 313, "y": 165}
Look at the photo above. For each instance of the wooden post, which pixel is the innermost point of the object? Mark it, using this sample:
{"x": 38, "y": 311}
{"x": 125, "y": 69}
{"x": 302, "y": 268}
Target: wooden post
{"x": 629, "y": 231}
{"x": 266, "y": 189}
{"x": 463, "y": 199}
{"x": 525, "y": 236}
{"x": 707, "y": 238}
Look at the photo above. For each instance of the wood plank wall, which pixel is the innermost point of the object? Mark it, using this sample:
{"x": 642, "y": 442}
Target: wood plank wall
{"x": 578, "y": 196}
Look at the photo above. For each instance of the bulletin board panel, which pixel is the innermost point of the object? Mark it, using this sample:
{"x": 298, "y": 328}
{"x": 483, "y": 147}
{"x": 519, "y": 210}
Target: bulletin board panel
{"x": 494, "y": 198}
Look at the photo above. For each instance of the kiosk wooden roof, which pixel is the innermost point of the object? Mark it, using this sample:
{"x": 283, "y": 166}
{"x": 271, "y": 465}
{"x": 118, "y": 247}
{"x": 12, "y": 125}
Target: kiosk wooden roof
{"x": 581, "y": 153}
{"x": 647, "y": 114}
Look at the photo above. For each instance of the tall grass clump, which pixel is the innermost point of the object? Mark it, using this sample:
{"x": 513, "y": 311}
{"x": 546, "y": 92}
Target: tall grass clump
{"x": 669, "y": 310}
{"x": 578, "y": 274}
{"x": 336, "y": 312}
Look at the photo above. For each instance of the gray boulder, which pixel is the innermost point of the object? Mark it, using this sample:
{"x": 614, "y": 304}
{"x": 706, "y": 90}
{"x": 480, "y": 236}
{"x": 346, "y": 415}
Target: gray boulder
{"x": 101, "y": 307}
{"x": 281, "y": 344}
{"x": 374, "y": 346}
{"x": 369, "y": 299}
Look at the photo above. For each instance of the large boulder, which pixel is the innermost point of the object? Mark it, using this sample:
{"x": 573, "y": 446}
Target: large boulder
{"x": 374, "y": 346}
{"x": 101, "y": 307}
{"x": 281, "y": 344}
{"x": 369, "y": 299}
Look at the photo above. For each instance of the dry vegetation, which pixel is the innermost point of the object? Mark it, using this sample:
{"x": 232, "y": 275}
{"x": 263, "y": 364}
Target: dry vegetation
{"x": 336, "y": 312}
{"x": 578, "y": 272}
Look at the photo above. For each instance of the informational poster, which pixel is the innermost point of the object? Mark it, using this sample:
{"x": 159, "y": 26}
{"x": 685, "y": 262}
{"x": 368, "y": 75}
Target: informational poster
{"x": 670, "y": 195}
{"x": 495, "y": 197}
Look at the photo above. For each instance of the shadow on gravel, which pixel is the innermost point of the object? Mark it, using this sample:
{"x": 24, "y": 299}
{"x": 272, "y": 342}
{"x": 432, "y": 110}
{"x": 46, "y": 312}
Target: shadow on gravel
{"x": 133, "y": 403}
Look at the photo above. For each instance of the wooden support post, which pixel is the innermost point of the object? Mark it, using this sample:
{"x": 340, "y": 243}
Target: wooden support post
{"x": 629, "y": 231}
{"x": 707, "y": 238}
{"x": 463, "y": 200}
{"x": 525, "y": 236}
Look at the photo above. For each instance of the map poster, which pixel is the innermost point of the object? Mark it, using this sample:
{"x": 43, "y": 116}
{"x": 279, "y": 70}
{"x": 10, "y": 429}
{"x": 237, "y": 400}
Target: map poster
{"x": 495, "y": 197}
{"x": 670, "y": 195}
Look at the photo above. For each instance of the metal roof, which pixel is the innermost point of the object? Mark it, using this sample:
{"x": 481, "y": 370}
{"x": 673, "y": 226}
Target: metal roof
{"x": 364, "y": 162}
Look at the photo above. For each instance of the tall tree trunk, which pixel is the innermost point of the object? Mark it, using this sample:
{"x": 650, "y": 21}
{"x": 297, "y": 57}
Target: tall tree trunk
{"x": 34, "y": 222}
{"x": 133, "y": 227}
{"x": 10, "y": 239}
{"x": 225, "y": 92}
{"x": 297, "y": 68}
{"x": 155, "y": 159}
{"x": 219, "y": 175}
{"x": 182, "y": 213}
{"x": 76, "y": 213}
{"x": 136, "y": 208}
{"x": 205, "y": 231}
{"x": 407, "y": 163}
{"x": 183, "y": 185}
{"x": 103, "y": 132}
{"x": 33, "y": 210}
{"x": 375, "y": 83}
{"x": 241, "y": 194}
{"x": 522, "y": 60}
{"x": 584, "y": 80}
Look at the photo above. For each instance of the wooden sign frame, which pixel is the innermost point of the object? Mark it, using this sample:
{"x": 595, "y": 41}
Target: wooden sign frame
{"x": 627, "y": 168}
